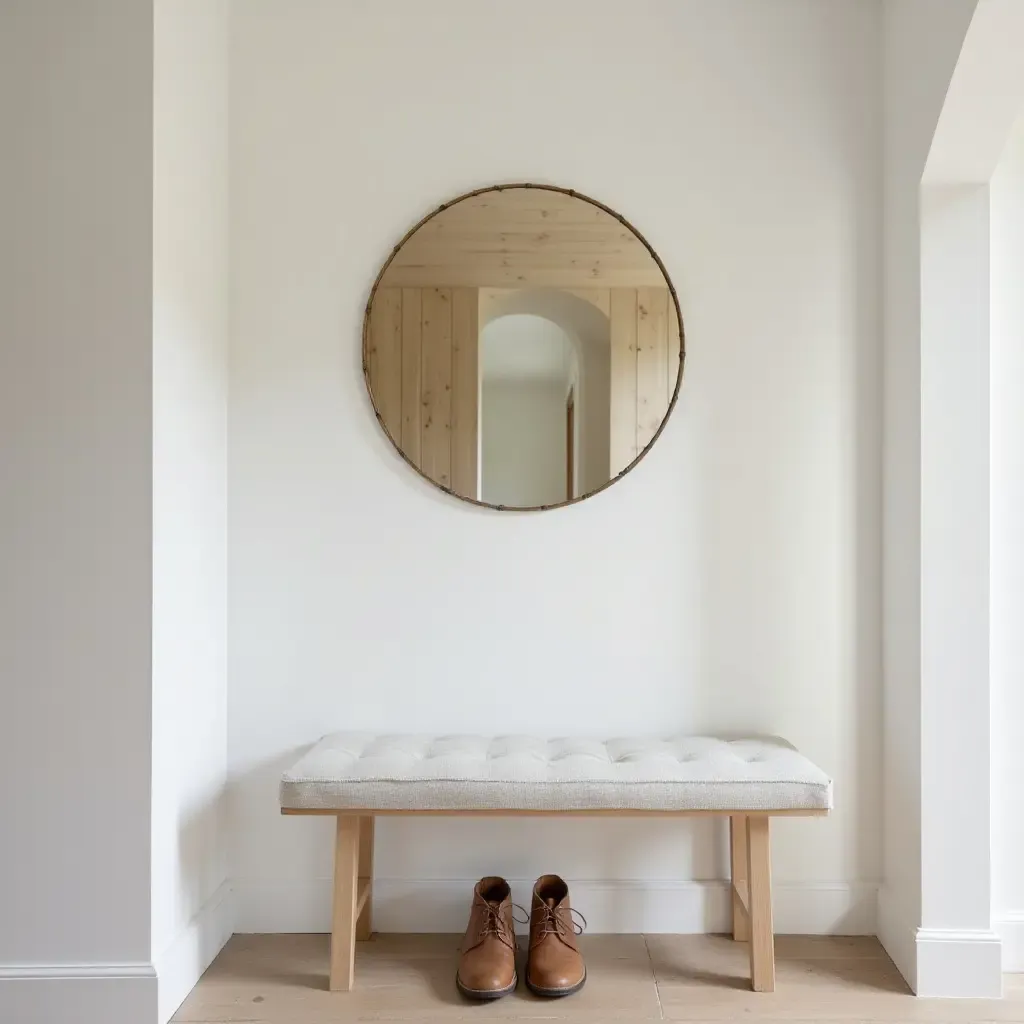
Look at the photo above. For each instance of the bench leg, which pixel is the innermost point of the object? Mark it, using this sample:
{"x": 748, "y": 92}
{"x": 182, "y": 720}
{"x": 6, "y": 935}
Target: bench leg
{"x": 759, "y": 877}
{"x": 346, "y": 902}
{"x": 364, "y": 923}
{"x": 740, "y": 899}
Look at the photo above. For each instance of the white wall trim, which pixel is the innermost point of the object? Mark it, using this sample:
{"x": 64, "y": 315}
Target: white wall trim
{"x": 958, "y": 963}
{"x": 958, "y": 953}
{"x": 897, "y": 932}
{"x": 411, "y": 905}
{"x": 77, "y": 993}
{"x": 76, "y": 972}
{"x": 183, "y": 961}
{"x": 983, "y": 99}
{"x": 1010, "y": 928}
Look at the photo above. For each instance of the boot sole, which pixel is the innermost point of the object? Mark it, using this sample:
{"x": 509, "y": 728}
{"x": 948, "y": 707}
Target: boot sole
{"x": 555, "y": 993}
{"x": 487, "y": 994}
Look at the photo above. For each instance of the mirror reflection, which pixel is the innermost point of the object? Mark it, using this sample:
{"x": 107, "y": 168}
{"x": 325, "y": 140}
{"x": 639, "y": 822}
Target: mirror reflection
{"x": 522, "y": 347}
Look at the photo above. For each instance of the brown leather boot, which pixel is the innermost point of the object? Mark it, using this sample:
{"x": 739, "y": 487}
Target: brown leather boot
{"x": 554, "y": 966}
{"x": 487, "y": 964}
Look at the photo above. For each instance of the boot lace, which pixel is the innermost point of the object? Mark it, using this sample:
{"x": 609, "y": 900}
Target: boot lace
{"x": 553, "y": 922}
{"x": 494, "y": 923}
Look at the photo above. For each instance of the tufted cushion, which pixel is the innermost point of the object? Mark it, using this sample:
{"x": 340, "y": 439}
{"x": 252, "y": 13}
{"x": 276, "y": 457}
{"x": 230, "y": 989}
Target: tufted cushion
{"x": 417, "y": 773}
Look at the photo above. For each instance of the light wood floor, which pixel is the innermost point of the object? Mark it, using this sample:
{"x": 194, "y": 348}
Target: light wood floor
{"x": 282, "y": 979}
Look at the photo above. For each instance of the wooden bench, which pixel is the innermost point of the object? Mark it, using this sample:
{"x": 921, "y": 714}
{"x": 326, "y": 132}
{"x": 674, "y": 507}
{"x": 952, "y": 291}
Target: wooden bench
{"x": 357, "y": 777}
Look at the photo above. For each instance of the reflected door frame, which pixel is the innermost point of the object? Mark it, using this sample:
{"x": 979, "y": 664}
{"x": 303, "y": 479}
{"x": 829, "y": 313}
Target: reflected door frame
{"x": 570, "y": 444}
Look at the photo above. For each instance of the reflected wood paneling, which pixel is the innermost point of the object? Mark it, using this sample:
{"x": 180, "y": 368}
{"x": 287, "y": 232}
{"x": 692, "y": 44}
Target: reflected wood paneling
{"x": 465, "y": 389}
{"x": 417, "y": 373}
{"x": 652, "y": 388}
{"x": 520, "y": 238}
{"x": 598, "y": 297}
{"x": 622, "y": 447}
{"x": 412, "y": 365}
{"x": 510, "y": 272}
{"x": 436, "y": 341}
{"x": 644, "y": 366}
{"x": 385, "y": 358}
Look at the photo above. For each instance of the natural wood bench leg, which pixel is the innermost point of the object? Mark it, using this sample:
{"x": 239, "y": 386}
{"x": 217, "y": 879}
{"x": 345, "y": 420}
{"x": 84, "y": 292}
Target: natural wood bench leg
{"x": 364, "y": 923}
{"x": 346, "y": 902}
{"x": 759, "y": 877}
{"x": 740, "y": 899}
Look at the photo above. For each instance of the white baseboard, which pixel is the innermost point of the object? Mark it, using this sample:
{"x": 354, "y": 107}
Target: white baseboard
{"x": 959, "y": 963}
{"x": 939, "y": 962}
{"x": 78, "y": 993}
{"x": 399, "y": 905}
{"x": 182, "y": 963}
{"x": 1010, "y": 928}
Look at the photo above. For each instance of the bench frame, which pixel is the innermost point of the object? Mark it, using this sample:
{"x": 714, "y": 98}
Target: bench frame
{"x": 750, "y": 860}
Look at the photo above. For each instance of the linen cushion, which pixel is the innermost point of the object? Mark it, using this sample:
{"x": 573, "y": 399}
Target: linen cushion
{"x": 363, "y": 771}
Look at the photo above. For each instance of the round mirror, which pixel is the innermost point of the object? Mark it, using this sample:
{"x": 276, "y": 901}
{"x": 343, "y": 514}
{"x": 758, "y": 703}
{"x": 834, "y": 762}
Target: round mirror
{"x": 523, "y": 347}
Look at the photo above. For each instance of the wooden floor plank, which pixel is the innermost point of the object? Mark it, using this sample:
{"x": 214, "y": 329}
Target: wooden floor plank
{"x": 282, "y": 979}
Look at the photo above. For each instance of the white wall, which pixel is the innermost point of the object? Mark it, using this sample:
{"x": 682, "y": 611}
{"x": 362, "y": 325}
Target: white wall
{"x": 76, "y": 317}
{"x": 922, "y": 41}
{"x": 731, "y": 582}
{"x": 190, "y": 349}
{"x": 1007, "y": 547}
{"x": 963, "y": 61}
{"x": 957, "y": 950}
{"x": 522, "y": 425}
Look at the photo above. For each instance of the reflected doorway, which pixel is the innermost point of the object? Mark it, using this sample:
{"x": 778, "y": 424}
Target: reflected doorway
{"x": 528, "y": 375}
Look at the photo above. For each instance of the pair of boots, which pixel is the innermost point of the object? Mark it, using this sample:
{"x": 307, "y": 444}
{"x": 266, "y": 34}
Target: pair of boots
{"x": 487, "y": 962}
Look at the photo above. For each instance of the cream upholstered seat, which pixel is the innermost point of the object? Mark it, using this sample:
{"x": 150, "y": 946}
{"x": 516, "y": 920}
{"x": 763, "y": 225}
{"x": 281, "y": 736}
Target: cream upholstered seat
{"x": 358, "y": 776}
{"x": 464, "y": 773}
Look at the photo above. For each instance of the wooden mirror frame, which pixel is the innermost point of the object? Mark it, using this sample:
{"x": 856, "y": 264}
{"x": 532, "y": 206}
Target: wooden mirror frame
{"x": 675, "y": 305}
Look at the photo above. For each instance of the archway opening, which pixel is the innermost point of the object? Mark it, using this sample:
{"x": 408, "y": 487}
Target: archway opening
{"x": 587, "y": 326}
{"x": 529, "y": 402}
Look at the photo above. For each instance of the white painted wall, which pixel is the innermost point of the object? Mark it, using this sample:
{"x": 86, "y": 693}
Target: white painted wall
{"x": 76, "y": 466}
{"x": 958, "y": 954}
{"x": 190, "y": 359}
{"x": 938, "y": 219}
{"x": 1007, "y": 547}
{"x": 522, "y": 424}
{"x": 731, "y": 582}
{"x": 922, "y": 41}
